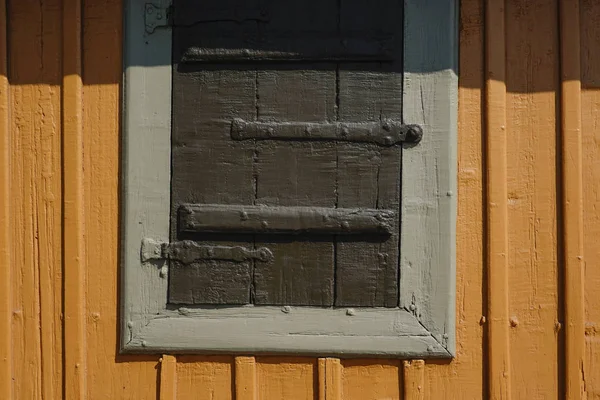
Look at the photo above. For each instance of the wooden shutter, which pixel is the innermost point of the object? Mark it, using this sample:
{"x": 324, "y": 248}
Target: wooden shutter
{"x": 287, "y": 115}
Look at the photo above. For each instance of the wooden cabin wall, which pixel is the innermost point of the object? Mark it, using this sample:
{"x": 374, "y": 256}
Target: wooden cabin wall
{"x": 528, "y": 232}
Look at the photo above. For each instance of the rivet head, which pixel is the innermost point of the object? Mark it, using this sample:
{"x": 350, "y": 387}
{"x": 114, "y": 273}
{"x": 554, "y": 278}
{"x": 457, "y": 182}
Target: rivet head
{"x": 264, "y": 224}
{"x": 130, "y": 324}
{"x": 144, "y": 343}
{"x": 244, "y": 216}
{"x": 149, "y": 9}
{"x": 430, "y": 348}
{"x": 286, "y": 309}
{"x": 265, "y": 255}
{"x": 386, "y": 126}
{"x": 345, "y": 225}
{"x": 210, "y": 252}
{"x": 345, "y": 131}
{"x": 163, "y": 272}
{"x": 159, "y": 16}
{"x": 445, "y": 336}
{"x": 350, "y": 312}
{"x": 270, "y": 131}
{"x": 414, "y": 134}
{"x": 388, "y": 140}
{"x": 514, "y": 322}
{"x": 307, "y": 131}
{"x": 412, "y": 307}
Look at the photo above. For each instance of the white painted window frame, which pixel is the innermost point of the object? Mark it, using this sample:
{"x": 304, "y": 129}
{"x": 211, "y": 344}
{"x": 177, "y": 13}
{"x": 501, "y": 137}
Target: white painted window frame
{"x": 424, "y": 324}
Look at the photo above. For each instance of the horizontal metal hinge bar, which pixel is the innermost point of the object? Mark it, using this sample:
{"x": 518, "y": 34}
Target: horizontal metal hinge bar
{"x": 385, "y": 133}
{"x": 188, "y": 251}
{"x": 295, "y": 49}
{"x": 288, "y": 220}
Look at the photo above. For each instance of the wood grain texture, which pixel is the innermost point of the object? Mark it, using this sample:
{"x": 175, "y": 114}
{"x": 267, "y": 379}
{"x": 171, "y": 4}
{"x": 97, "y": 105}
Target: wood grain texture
{"x": 35, "y": 184}
{"x": 590, "y": 132}
{"x": 498, "y": 353}
{"x": 108, "y": 374}
{"x": 205, "y": 101}
{"x": 73, "y": 192}
{"x": 296, "y": 174}
{"x": 367, "y": 272}
{"x": 245, "y": 378}
{"x": 330, "y": 379}
{"x": 205, "y": 378}
{"x": 462, "y": 378}
{"x": 371, "y": 379}
{"x": 464, "y": 374}
{"x": 428, "y": 202}
{"x": 414, "y": 380}
{"x": 532, "y": 84}
{"x": 572, "y": 198}
{"x": 291, "y": 378}
{"x": 168, "y": 377}
{"x": 146, "y": 142}
{"x": 5, "y": 211}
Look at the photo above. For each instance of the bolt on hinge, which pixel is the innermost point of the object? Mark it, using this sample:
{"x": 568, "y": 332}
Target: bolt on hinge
{"x": 155, "y": 17}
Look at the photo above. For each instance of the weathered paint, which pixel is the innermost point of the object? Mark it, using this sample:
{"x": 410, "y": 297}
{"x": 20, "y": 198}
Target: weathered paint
{"x": 537, "y": 372}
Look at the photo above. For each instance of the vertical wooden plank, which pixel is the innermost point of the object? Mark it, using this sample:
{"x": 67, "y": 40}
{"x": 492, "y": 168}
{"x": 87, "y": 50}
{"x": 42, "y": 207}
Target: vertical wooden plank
{"x": 205, "y": 101}
{"x": 371, "y": 379}
{"x": 245, "y": 378}
{"x": 108, "y": 375}
{"x": 205, "y": 378}
{"x": 34, "y": 29}
{"x": 73, "y": 219}
{"x": 414, "y": 380}
{"x": 497, "y": 207}
{"x": 590, "y": 131}
{"x": 291, "y": 378}
{"x": 49, "y": 203}
{"x": 5, "y": 208}
{"x": 532, "y": 84}
{"x": 296, "y": 174}
{"x": 168, "y": 377}
{"x": 330, "y": 379}
{"x": 464, "y": 374}
{"x": 24, "y": 26}
{"x": 368, "y": 176}
{"x": 572, "y": 186}
{"x": 428, "y": 187}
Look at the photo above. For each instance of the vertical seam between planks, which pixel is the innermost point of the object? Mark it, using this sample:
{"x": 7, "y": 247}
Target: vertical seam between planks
{"x": 497, "y": 208}
{"x": 168, "y": 377}
{"x": 73, "y": 204}
{"x": 245, "y": 378}
{"x": 5, "y": 253}
{"x": 330, "y": 379}
{"x": 572, "y": 196}
{"x": 414, "y": 379}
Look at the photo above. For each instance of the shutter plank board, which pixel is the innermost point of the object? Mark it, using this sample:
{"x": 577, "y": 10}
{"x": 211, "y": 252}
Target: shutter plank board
{"x": 296, "y": 174}
{"x": 207, "y": 167}
{"x": 369, "y": 176}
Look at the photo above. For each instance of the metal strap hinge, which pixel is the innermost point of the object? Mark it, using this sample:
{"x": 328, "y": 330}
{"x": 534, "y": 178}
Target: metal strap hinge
{"x": 155, "y": 16}
{"x": 188, "y": 251}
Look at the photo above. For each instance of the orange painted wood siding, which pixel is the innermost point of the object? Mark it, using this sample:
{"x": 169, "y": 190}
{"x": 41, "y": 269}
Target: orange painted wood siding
{"x": 528, "y": 258}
